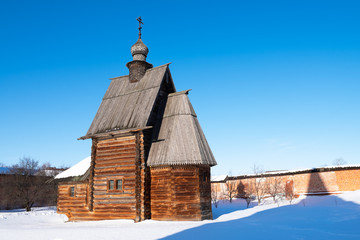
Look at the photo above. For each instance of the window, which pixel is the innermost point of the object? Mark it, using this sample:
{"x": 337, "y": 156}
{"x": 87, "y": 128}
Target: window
{"x": 204, "y": 177}
{"x": 115, "y": 185}
{"x": 111, "y": 185}
{"x": 119, "y": 184}
{"x": 72, "y": 191}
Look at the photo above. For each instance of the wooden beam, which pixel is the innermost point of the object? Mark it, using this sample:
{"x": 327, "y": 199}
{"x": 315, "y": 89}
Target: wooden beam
{"x": 113, "y": 133}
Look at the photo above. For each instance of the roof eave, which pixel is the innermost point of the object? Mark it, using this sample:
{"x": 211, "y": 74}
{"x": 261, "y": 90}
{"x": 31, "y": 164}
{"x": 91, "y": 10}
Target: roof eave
{"x": 114, "y": 132}
{"x": 181, "y": 164}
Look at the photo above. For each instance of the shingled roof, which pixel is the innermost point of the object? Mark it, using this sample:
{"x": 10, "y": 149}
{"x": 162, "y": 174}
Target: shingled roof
{"x": 128, "y": 105}
{"x": 181, "y": 140}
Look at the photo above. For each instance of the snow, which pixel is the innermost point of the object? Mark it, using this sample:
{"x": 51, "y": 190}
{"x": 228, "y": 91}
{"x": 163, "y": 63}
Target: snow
{"x": 77, "y": 170}
{"x": 337, "y": 167}
{"x": 311, "y": 217}
{"x": 218, "y": 178}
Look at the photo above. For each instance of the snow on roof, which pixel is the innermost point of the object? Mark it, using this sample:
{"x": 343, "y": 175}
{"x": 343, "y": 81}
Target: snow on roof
{"x": 78, "y": 169}
{"x": 284, "y": 172}
{"x": 318, "y": 168}
{"x": 218, "y": 178}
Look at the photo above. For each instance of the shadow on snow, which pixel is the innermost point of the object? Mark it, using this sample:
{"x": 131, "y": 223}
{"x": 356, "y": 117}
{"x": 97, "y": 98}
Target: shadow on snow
{"x": 330, "y": 218}
{"x": 224, "y": 207}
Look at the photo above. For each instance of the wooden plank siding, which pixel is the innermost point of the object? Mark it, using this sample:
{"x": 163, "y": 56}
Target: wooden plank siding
{"x": 179, "y": 193}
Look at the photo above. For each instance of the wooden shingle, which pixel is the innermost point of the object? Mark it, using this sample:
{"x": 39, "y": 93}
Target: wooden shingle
{"x": 181, "y": 140}
{"x": 127, "y": 105}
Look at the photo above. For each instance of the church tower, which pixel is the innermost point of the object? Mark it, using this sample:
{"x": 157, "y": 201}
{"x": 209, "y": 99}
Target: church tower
{"x": 138, "y": 66}
{"x": 149, "y": 155}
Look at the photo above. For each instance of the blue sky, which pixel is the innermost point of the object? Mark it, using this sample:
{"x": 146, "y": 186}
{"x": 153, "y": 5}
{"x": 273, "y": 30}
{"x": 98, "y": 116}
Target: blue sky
{"x": 275, "y": 83}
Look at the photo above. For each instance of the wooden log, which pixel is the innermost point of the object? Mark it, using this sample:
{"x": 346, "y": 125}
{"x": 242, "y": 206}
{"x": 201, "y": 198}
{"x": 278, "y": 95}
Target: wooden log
{"x": 129, "y": 154}
{"x": 116, "y": 163}
{"x": 111, "y": 147}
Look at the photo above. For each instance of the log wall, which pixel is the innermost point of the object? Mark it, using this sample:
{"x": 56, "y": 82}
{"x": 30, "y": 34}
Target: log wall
{"x": 180, "y": 193}
{"x": 205, "y": 193}
{"x": 159, "y": 193}
{"x": 118, "y": 158}
{"x": 76, "y": 205}
{"x": 115, "y": 159}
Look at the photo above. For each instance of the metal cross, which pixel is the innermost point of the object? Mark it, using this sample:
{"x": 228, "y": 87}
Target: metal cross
{"x": 140, "y": 22}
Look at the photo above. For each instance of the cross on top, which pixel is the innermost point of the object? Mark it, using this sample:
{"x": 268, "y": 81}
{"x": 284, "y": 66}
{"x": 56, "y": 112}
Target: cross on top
{"x": 140, "y": 22}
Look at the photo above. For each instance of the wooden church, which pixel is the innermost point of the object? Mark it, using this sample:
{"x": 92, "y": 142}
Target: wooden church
{"x": 149, "y": 157}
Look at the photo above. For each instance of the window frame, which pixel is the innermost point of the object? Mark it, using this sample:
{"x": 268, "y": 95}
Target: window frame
{"x": 72, "y": 194}
{"x": 115, "y": 185}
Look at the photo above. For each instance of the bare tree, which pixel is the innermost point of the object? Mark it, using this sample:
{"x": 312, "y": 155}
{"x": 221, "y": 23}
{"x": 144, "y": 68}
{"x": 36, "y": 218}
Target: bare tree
{"x": 258, "y": 185}
{"x": 231, "y": 189}
{"x": 245, "y": 193}
{"x": 47, "y": 170}
{"x": 214, "y": 196}
{"x": 275, "y": 187}
{"x": 50, "y": 191}
{"x": 249, "y": 197}
{"x": 339, "y": 161}
{"x": 27, "y": 167}
{"x": 26, "y": 186}
{"x": 289, "y": 191}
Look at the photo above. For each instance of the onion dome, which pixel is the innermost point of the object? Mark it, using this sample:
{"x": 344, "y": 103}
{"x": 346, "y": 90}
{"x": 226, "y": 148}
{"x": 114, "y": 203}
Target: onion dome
{"x": 139, "y": 50}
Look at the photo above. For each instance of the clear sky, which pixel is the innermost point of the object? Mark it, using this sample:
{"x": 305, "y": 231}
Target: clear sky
{"x": 275, "y": 83}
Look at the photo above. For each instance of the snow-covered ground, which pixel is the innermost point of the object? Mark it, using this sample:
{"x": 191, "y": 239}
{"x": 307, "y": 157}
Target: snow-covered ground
{"x": 315, "y": 217}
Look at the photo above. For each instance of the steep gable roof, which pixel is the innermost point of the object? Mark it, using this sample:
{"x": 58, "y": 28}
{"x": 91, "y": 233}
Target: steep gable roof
{"x": 181, "y": 140}
{"x": 128, "y": 105}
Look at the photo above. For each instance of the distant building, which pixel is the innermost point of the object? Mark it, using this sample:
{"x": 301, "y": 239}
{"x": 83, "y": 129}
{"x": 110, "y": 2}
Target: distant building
{"x": 311, "y": 181}
{"x": 149, "y": 157}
